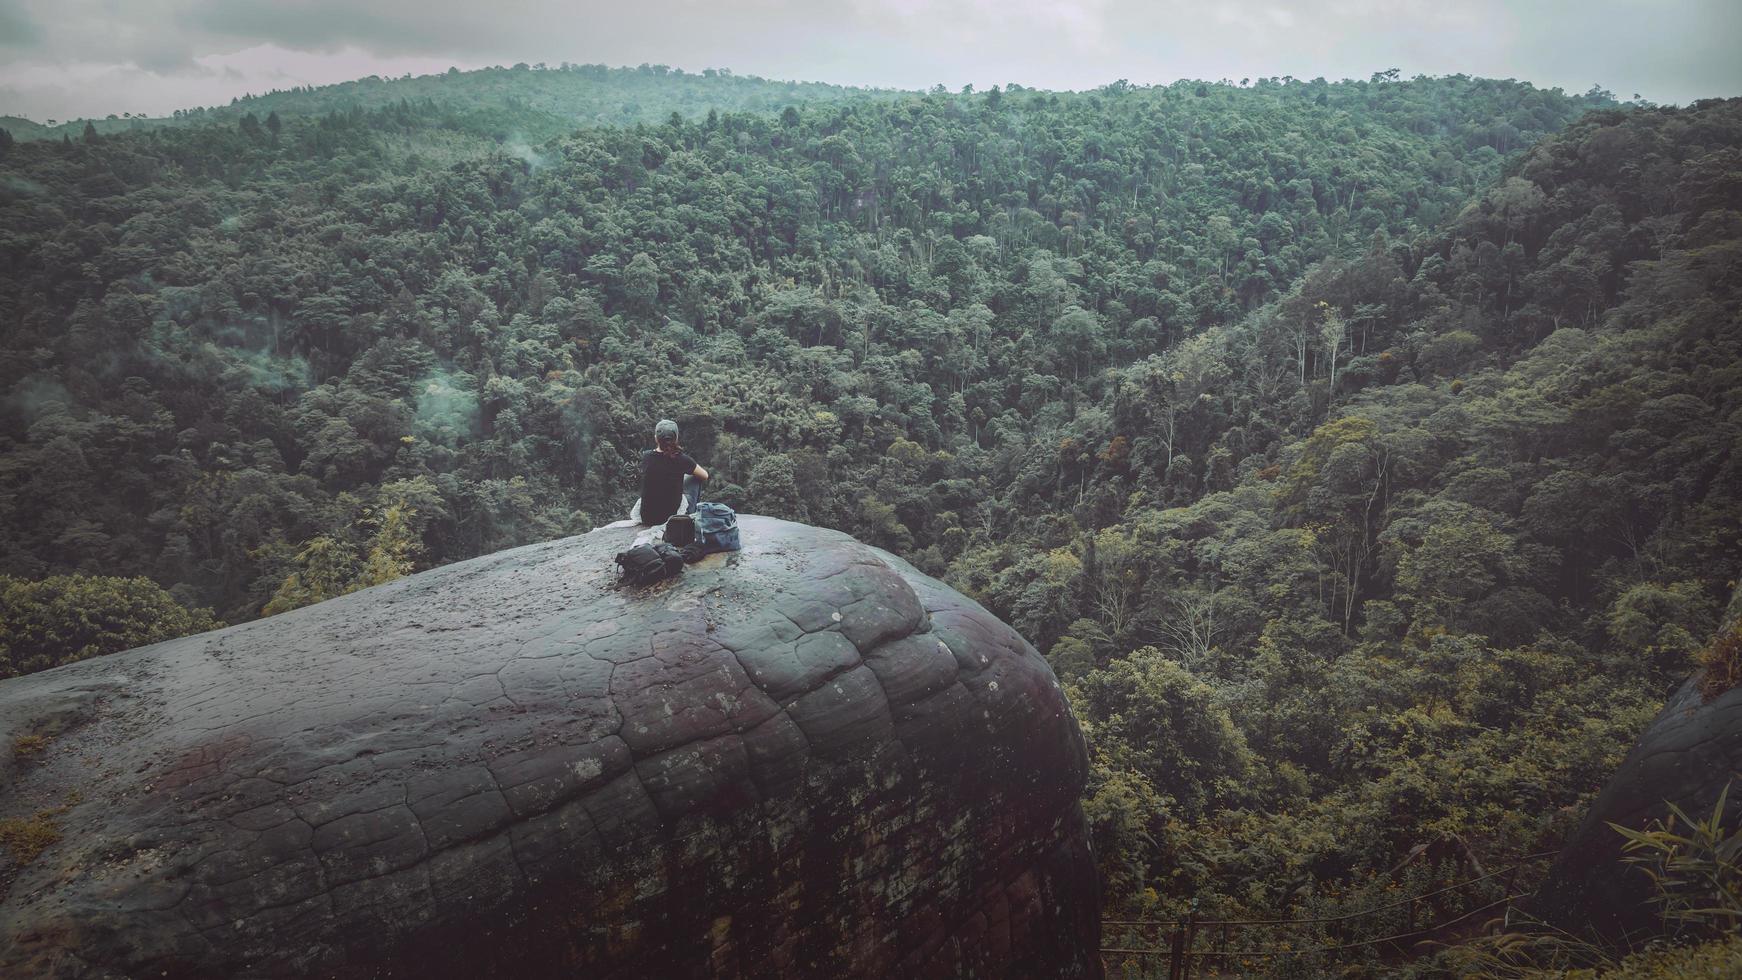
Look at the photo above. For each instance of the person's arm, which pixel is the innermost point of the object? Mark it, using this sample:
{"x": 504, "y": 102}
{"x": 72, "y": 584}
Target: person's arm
{"x": 695, "y": 468}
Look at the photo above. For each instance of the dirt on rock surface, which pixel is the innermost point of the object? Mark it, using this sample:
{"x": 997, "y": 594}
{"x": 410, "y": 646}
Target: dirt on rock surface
{"x": 802, "y": 759}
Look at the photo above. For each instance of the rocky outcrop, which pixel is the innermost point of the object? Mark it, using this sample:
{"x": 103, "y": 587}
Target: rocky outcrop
{"x": 1689, "y": 754}
{"x": 802, "y": 759}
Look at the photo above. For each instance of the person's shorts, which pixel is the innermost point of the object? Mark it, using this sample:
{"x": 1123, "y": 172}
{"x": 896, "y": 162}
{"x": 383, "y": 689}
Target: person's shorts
{"x": 683, "y": 507}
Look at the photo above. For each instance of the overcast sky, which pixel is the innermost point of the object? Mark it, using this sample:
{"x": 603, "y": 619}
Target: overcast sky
{"x": 66, "y": 58}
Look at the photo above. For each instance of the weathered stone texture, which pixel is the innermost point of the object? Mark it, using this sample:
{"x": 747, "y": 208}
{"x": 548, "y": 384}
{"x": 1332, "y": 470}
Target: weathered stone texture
{"x": 803, "y": 759}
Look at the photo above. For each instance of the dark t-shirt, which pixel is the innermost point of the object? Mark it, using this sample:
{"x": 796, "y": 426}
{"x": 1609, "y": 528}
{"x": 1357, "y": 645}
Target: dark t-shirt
{"x": 662, "y": 484}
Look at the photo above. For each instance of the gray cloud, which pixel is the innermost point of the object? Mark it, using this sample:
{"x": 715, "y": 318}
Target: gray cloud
{"x": 95, "y": 56}
{"x": 385, "y": 26}
{"x": 17, "y": 30}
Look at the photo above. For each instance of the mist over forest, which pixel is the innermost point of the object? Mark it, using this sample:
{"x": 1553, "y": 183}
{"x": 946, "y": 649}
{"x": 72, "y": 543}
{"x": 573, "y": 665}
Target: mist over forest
{"x": 1362, "y": 456}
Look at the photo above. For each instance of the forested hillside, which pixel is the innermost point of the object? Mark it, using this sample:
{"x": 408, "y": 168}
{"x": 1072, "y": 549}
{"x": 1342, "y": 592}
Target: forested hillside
{"x": 260, "y": 338}
{"x": 525, "y": 103}
{"x": 1441, "y": 530}
{"x": 1361, "y": 454}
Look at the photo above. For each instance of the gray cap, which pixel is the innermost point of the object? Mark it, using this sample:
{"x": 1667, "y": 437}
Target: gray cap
{"x": 666, "y": 427}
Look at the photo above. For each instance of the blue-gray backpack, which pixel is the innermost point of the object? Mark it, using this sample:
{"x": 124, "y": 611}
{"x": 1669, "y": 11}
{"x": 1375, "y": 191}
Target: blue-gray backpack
{"x": 716, "y": 527}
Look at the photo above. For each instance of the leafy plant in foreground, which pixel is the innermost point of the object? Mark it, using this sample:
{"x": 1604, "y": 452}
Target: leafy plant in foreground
{"x": 1698, "y": 871}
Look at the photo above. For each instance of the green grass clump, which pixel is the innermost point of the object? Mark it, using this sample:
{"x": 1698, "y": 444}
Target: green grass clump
{"x": 28, "y": 747}
{"x": 25, "y": 838}
{"x": 1721, "y": 663}
{"x": 1717, "y": 960}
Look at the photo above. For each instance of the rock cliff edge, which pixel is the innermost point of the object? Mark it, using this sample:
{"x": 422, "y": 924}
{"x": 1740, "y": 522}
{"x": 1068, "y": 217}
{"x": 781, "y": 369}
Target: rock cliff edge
{"x": 802, "y": 759}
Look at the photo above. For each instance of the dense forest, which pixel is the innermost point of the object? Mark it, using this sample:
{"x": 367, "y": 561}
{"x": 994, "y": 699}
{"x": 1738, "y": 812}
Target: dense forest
{"x": 507, "y": 105}
{"x": 1362, "y": 455}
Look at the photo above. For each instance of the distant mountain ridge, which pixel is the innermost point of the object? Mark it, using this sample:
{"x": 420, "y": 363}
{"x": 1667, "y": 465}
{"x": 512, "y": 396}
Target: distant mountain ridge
{"x": 554, "y": 99}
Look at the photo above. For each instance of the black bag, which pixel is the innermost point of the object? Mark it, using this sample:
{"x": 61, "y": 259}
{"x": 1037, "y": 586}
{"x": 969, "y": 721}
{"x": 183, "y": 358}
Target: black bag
{"x": 648, "y": 563}
{"x": 680, "y": 530}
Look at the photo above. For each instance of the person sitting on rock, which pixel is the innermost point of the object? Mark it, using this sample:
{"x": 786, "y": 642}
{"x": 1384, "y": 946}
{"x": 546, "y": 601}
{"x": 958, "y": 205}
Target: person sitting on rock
{"x": 671, "y": 482}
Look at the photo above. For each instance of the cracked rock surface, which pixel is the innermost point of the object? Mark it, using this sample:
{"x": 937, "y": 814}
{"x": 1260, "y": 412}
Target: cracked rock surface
{"x": 802, "y": 759}
{"x": 1691, "y": 751}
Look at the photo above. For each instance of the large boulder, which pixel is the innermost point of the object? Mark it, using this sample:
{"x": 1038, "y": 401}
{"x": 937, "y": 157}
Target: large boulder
{"x": 1688, "y": 755}
{"x": 802, "y": 759}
